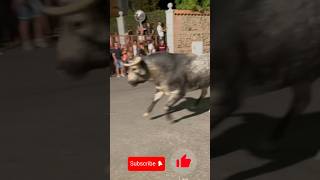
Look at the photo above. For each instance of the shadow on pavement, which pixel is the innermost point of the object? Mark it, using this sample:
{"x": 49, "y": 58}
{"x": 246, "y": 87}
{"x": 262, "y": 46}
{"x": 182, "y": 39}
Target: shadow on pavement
{"x": 300, "y": 143}
{"x": 188, "y": 104}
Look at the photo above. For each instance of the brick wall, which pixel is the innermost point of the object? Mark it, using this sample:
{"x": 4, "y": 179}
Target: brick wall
{"x": 190, "y": 26}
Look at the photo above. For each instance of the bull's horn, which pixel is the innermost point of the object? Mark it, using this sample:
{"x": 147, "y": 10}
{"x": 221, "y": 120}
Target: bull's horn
{"x": 136, "y": 61}
{"x": 68, "y": 9}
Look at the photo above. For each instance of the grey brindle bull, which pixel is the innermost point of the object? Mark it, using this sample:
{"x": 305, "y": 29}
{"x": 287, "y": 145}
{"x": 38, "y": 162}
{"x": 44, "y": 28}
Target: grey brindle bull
{"x": 173, "y": 74}
{"x": 265, "y": 45}
{"x": 83, "y": 38}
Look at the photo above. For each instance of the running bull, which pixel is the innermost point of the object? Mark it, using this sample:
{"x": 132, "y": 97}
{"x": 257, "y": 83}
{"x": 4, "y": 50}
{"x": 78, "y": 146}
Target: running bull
{"x": 265, "y": 45}
{"x": 82, "y": 41}
{"x": 173, "y": 75}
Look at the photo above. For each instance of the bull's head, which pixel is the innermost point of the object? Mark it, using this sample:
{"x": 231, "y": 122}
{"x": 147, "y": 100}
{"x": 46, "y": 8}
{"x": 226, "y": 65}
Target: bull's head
{"x": 82, "y": 42}
{"x": 137, "y": 71}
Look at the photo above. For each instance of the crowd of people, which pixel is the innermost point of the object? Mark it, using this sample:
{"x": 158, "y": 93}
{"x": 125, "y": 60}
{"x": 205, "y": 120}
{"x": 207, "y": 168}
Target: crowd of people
{"x": 146, "y": 41}
{"x": 23, "y": 23}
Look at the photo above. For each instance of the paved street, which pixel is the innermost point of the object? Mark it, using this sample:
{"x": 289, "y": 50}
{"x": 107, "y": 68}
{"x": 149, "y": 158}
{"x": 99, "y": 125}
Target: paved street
{"x": 51, "y": 128}
{"x": 134, "y": 135}
{"x": 236, "y": 156}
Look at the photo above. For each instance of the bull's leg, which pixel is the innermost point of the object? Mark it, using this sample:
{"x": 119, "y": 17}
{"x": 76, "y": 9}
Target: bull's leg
{"x": 224, "y": 102}
{"x": 174, "y": 97}
{"x": 202, "y": 95}
{"x": 301, "y": 100}
{"x": 158, "y": 95}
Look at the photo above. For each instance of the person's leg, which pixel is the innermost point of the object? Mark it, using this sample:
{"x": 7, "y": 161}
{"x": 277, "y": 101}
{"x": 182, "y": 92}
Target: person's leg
{"x": 39, "y": 32}
{"x": 24, "y": 30}
{"x": 121, "y": 68}
{"x": 118, "y": 68}
{"x": 24, "y": 26}
{"x": 122, "y": 72}
{"x": 37, "y": 26}
{"x": 24, "y": 15}
{"x": 38, "y": 23}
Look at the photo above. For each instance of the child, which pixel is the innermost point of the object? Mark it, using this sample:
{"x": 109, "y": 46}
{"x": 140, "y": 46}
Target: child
{"x": 151, "y": 48}
{"x": 125, "y": 59}
{"x": 162, "y": 46}
{"x": 116, "y": 54}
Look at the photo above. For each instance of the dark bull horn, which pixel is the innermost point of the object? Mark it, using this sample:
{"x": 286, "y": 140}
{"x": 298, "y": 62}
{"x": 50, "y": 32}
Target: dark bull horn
{"x": 68, "y": 9}
{"x": 136, "y": 61}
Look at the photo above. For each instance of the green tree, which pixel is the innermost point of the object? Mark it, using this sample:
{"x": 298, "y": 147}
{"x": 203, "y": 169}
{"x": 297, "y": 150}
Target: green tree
{"x": 196, "y": 5}
{"x": 186, "y": 4}
{"x": 145, "y": 5}
{"x": 206, "y": 4}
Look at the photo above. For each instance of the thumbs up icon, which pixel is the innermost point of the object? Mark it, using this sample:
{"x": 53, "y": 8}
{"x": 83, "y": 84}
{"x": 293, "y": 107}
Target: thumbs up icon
{"x": 184, "y": 162}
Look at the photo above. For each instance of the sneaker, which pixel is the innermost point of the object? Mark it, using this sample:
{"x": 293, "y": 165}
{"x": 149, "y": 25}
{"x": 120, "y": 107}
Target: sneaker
{"x": 27, "y": 46}
{"x": 40, "y": 43}
{"x": 123, "y": 75}
{"x": 118, "y": 76}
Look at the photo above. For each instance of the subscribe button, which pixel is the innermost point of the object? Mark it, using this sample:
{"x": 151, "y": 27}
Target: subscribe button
{"x": 146, "y": 164}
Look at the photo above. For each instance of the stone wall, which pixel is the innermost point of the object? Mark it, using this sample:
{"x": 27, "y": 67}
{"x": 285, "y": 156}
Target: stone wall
{"x": 190, "y": 26}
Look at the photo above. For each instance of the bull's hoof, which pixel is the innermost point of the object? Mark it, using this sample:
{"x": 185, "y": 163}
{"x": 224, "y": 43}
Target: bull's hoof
{"x": 145, "y": 114}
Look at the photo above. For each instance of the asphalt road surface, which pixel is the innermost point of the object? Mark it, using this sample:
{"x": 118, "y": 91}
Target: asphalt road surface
{"x": 134, "y": 135}
{"x": 51, "y": 128}
{"x": 236, "y": 142}
{"x": 54, "y": 128}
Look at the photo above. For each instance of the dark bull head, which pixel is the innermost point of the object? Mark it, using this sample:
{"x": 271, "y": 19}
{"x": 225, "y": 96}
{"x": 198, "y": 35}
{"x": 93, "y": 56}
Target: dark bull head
{"x": 82, "y": 42}
{"x": 137, "y": 71}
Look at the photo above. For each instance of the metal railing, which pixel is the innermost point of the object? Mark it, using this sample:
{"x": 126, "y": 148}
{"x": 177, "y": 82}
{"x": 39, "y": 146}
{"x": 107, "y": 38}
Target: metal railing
{"x": 129, "y": 39}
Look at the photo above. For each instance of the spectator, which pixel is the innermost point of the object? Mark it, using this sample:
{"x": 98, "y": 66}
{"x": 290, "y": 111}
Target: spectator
{"x": 116, "y": 37}
{"x": 160, "y": 31}
{"x": 151, "y": 48}
{"x": 111, "y": 42}
{"x": 135, "y": 48}
{"x": 125, "y": 58}
{"x": 28, "y": 10}
{"x": 149, "y": 30}
{"x": 162, "y": 46}
{"x": 141, "y": 50}
{"x": 117, "y": 59}
{"x": 113, "y": 69}
{"x": 141, "y": 37}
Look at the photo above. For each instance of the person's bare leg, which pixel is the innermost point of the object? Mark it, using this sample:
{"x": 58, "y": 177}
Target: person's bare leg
{"x": 24, "y": 34}
{"x": 122, "y": 72}
{"x": 39, "y": 32}
{"x": 118, "y": 72}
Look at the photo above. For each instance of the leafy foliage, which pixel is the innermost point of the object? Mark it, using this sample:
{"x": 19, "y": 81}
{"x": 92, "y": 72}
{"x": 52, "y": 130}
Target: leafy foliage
{"x": 195, "y": 5}
{"x": 152, "y": 18}
{"x": 145, "y": 5}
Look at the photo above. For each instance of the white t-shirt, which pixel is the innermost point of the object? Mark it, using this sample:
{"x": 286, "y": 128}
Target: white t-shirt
{"x": 160, "y": 31}
{"x": 135, "y": 50}
{"x": 151, "y": 48}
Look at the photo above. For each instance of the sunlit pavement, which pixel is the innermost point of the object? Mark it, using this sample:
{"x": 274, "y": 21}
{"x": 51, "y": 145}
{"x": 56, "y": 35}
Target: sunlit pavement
{"x": 134, "y": 135}
{"x": 237, "y": 155}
